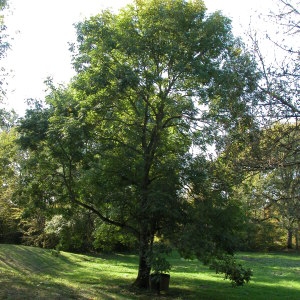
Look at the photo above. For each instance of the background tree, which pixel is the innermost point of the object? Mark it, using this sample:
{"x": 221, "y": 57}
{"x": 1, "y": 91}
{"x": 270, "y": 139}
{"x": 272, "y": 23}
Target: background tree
{"x": 281, "y": 196}
{"x": 277, "y": 54}
{"x": 4, "y": 45}
{"x": 271, "y": 189}
{"x": 10, "y": 212}
{"x": 286, "y": 201}
{"x": 151, "y": 81}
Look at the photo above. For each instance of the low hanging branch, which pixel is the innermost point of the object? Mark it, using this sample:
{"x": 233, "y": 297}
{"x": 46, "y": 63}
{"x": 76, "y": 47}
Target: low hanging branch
{"x": 105, "y": 219}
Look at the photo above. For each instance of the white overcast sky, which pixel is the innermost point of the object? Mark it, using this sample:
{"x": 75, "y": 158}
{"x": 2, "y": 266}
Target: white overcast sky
{"x": 41, "y": 30}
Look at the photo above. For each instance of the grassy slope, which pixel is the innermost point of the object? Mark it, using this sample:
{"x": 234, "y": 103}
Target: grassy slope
{"x": 33, "y": 273}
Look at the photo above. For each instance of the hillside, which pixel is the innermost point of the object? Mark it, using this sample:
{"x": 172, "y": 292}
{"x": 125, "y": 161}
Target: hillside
{"x": 34, "y": 273}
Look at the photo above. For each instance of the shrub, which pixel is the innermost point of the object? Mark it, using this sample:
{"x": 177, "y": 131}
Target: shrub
{"x": 233, "y": 271}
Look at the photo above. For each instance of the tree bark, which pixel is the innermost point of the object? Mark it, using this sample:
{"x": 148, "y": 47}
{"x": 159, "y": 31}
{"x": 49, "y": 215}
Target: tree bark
{"x": 142, "y": 280}
{"x": 290, "y": 239}
{"x": 297, "y": 236}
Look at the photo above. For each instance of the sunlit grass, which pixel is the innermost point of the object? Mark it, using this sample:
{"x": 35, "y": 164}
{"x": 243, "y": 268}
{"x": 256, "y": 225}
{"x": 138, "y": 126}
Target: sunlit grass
{"x": 33, "y": 273}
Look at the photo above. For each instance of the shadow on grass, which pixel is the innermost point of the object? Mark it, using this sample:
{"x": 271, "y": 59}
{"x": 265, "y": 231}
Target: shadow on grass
{"x": 33, "y": 273}
{"x": 27, "y": 272}
{"x": 276, "y": 276}
{"x": 29, "y": 260}
{"x": 18, "y": 287}
{"x": 184, "y": 287}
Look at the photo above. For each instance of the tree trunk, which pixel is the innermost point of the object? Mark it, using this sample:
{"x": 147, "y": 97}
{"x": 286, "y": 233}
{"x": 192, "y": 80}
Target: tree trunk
{"x": 297, "y": 237}
{"x": 142, "y": 280}
{"x": 290, "y": 239}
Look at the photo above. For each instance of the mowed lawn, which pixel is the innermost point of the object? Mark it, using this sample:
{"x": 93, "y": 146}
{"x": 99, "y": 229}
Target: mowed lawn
{"x": 34, "y": 273}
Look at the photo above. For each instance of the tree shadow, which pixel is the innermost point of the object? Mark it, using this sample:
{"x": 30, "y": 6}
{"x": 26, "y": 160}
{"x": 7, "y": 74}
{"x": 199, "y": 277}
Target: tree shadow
{"x": 34, "y": 273}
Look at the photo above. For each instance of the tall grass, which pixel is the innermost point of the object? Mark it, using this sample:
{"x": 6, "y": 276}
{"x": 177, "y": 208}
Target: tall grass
{"x": 33, "y": 273}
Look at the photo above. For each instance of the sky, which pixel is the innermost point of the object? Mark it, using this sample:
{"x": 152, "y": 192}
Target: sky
{"x": 40, "y": 32}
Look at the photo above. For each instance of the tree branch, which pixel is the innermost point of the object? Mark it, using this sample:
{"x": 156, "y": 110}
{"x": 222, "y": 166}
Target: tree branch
{"x": 105, "y": 219}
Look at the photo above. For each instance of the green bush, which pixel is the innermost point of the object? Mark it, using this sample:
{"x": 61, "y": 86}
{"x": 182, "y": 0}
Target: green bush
{"x": 109, "y": 238}
{"x": 73, "y": 233}
{"x": 233, "y": 271}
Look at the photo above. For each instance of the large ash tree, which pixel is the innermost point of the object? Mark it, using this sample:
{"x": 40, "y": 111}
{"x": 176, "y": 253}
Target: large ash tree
{"x": 152, "y": 81}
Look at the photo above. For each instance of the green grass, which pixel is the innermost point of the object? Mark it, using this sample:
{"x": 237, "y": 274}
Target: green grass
{"x": 33, "y": 273}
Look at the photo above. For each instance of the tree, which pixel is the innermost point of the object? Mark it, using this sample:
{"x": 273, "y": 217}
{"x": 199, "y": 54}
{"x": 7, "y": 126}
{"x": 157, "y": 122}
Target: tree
{"x": 271, "y": 189}
{"x": 10, "y": 213}
{"x": 4, "y": 45}
{"x": 286, "y": 200}
{"x": 274, "y": 204}
{"x": 281, "y": 193}
{"x": 151, "y": 81}
{"x": 280, "y": 74}
{"x": 278, "y": 55}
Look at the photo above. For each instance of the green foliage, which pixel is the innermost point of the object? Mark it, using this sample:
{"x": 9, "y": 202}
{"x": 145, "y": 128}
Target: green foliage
{"x": 232, "y": 270}
{"x": 270, "y": 192}
{"x": 68, "y": 232}
{"x": 32, "y": 227}
{"x": 10, "y": 212}
{"x": 216, "y": 222}
{"x": 157, "y": 259}
{"x": 72, "y": 233}
{"x": 10, "y": 216}
{"x": 263, "y": 236}
{"x": 109, "y": 238}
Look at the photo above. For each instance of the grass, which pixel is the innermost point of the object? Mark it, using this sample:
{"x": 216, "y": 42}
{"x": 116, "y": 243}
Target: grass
{"x": 33, "y": 273}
